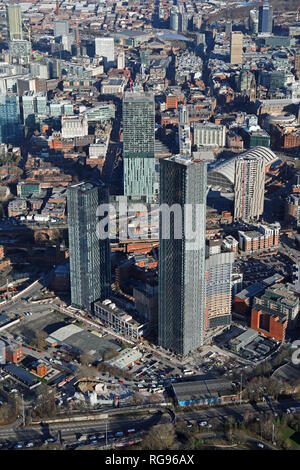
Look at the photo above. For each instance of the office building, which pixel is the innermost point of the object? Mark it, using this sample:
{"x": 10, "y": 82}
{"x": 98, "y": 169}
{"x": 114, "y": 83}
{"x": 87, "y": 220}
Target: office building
{"x": 20, "y": 49}
{"x": 236, "y": 47}
{"x": 265, "y": 18}
{"x": 90, "y": 272}
{"x": 10, "y": 129}
{"x": 104, "y": 47}
{"x": 249, "y": 187}
{"x": 218, "y": 301}
{"x": 253, "y": 21}
{"x": 74, "y": 126}
{"x": 34, "y": 104}
{"x": 14, "y": 22}
{"x": 228, "y": 28}
{"x": 138, "y": 144}
{"x": 181, "y": 303}
{"x": 209, "y": 134}
{"x": 121, "y": 60}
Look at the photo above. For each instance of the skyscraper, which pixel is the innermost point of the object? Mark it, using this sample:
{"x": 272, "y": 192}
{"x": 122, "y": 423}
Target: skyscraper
{"x": 10, "y": 128}
{"x": 89, "y": 256}
{"x": 253, "y": 21}
{"x": 184, "y": 132}
{"x": 249, "y": 187}
{"x": 138, "y": 144}
{"x": 14, "y": 22}
{"x": 181, "y": 304}
{"x": 236, "y": 47}
{"x": 265, "y": 18}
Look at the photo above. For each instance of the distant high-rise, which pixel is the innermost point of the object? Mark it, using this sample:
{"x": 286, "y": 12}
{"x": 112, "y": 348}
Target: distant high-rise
{"x": 236, "y": 47}
{"x": 181, "y": 305}
{"x": 265, "y": 18}
{"x": 14, "y": 22}
{"x": 138, "y": 144}
{"x": 218, "y": 289}
{"x": 90, "y": 273}
{"x": 228, "y": 28}
{"x": 178, "y": 20}
{"x": 121, "y": 60}
{"x": 253, "y": 21}
{"x": 184, "y": 132}
{"x": 174, "y": 19}
{"x": 249, "y": 187}
{"x": 104, "y": 47}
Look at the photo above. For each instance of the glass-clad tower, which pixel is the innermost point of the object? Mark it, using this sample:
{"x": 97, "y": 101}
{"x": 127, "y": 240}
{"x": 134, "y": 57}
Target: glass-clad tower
{"x": 90, "y": 271}
{"x": 181, "y": 307}
{"x": 10, "y": 129}
{"x": 265, "y": 18}
{"x": 138, "y": 143}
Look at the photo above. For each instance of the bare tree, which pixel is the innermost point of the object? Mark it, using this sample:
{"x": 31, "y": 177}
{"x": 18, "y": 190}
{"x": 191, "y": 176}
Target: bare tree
{"x": 160, "y": 437}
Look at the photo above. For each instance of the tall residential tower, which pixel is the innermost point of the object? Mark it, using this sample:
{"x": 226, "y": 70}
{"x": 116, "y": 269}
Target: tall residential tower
{"x": 89, "y": 256}
{"x": 181, "y": 305}
{"x": 138, "y": 144}
{"x": 249, "y": 187}
{"x": 14, "y": 22}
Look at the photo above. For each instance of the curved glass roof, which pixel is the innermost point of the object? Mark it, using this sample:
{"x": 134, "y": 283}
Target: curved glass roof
{"x": 226, "y": 168}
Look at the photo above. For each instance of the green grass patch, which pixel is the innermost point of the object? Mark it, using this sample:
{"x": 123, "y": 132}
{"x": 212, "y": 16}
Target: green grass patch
{"x": 289, "y": 434}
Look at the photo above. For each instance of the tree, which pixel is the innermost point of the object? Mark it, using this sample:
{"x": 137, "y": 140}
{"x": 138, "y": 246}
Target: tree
{"x": 40, "y": 338}
{"x": 45, "y": 403}
{"x": 160, "y": 437}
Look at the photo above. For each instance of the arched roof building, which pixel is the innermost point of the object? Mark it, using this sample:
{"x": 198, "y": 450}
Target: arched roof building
{"x": 221, "y": 174}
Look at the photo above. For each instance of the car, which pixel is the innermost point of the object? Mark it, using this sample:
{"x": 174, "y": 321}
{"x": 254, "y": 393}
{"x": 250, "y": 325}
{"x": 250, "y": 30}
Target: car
{"x": 29, "y": 444}
{"x": 18, "y": 446}
{"x": 202, "y": 423}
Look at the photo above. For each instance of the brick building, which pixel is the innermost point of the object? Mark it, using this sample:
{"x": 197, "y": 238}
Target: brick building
{"x": 14, "y": 353}
{"x": 267, "y": 236}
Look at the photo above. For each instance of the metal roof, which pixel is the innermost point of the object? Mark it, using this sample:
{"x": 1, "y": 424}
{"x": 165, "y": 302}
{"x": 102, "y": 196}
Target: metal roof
{"x": 227, "y": 168}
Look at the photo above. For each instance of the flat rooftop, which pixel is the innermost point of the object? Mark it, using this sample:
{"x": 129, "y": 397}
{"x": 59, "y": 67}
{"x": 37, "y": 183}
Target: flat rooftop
{"x": 206, "y": 388}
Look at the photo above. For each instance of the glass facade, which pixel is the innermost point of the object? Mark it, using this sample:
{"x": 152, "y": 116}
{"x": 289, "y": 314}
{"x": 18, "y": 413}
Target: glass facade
{"x": 90, "y": 271}
{"x": 181, "y": 307}
{"x": 138, "y": 144}
{"x": 10, "y": 129}
{"x": 265, "y": 18}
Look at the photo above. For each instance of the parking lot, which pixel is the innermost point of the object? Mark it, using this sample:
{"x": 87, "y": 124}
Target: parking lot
{"x": 256, "y": 269}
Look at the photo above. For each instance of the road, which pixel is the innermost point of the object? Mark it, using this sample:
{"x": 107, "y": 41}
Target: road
{"x": 112, "y": 424}
{"x": 70, "y": 430}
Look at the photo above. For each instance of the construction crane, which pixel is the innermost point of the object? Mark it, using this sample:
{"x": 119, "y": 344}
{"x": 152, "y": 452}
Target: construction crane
{"x": 28, "y": 29}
